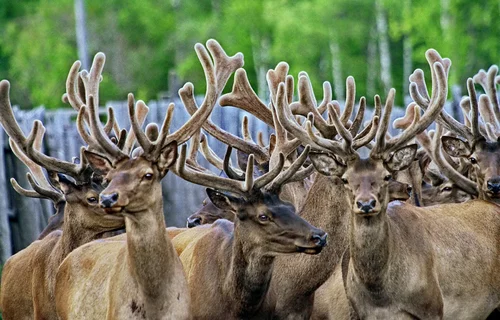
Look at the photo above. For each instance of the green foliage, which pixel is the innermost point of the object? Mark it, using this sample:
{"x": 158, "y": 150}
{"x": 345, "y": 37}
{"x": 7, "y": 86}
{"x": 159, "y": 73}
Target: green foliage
{"x": 146, "y": 41}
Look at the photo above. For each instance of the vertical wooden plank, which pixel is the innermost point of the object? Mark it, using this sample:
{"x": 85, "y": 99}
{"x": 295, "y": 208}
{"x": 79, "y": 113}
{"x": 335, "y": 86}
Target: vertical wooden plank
{"x": 5, "y": 232}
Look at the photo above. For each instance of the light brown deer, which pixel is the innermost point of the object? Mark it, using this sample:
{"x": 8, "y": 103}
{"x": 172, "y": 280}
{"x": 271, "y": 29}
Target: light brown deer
{"x": 229, "y": 266}
{"x": 407, "y": 262}
{"x": 28, "y": 278}
{"x": 480, "y": 147}
{"x": 142, "y": 277}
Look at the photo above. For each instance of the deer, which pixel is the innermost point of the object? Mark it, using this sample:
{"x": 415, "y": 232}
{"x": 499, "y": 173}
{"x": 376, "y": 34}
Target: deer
{"x": 401, "y": 262}
{"x": 28, "y": 278}
{"x": 141, "y": 277}
{"x": 234, "y": 284}
{"x": 480, "y": 147}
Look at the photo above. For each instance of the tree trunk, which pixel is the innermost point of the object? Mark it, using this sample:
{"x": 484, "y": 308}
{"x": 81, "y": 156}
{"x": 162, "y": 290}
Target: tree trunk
{"x": 371, "y": 76}
{"x": 338, "y": 82}
{"x": 260, "y": 52}
{"x": 383, "y": 41}
{"x": 81, "y": 33}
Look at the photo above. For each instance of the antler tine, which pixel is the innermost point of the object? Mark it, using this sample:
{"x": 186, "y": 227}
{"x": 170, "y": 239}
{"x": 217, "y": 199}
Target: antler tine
{"x": 267, "y": 177}
{"x": 365, "y": 140}
{"x": 41, "y": 188}
{"x": 285, "y": 176}
{"x": 245, "y": 98}
{"x": 307, "y": 103}
{"x": 435, "y": 107}
{"x": 343, "y": 132}
{"x": 140, "y": 135}
{"x": 327, "y": 97}
{"x": 93, "y": 78}
{"x": 211, "y": 180}
{"x": 384, "y": 125}
{"x": 444, "y": 166}
{"x": 277, "y": 76}
{"x": 247, "y": 136}
{"x": 216, "y": 77}
{"x": 7, "y": 118}
{"x": 260, "y": 139}
{"x": 141, "y": 111}
{"x": 99, "y": 138}
{"x": 486, "y": 112}
{"x": 358, "y": 121}
{"x": 224, "y": 65}
{"x": 289, "y": 84}
{"x": 474, "y": 109}
{"x": 465, "y": 106}
{"x": 228, "y": 138}
{"x": 194, "y": 145}
{"x": 487, "y": 81}
{"x": 418, "y": 92}
{"x": 71, "y": 96}
{"x": 209, "y": 154}
{"x": 349, "y": 100}
{"x": 232, "y": 174}
{"x": 34, "y": 168}
{"x": 287, "y": 120}
{"x": 111, "y": 122}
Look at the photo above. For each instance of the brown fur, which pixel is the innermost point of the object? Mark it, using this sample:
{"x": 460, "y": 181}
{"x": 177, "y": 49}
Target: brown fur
{"x": 140, "y": 278}
{"x": 33, "y": 270}
{"x": 234, "y": 284}
{"x": 408, "y": 262}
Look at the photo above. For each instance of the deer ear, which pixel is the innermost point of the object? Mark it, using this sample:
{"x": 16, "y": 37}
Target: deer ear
{"x": 402, "y": 158}
{"x": 168, "y": 157}
{"x": 99, "y": 164}
{"x": 326, "y": 164}
{"x": 455, "y": 147}
{"x": 222, "y": 201}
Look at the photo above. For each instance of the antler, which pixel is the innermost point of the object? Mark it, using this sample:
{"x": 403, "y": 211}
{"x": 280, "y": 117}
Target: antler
{"x": 80, "y": 172}
{"x": 418, "y": 92}
{"x": 444, "y": 166}
{"x": 433, "y": 107}
{"x": 41, "y": 186}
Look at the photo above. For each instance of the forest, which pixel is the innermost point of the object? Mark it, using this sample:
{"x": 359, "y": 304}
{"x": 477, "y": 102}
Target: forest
{"x": 149, "y": 43}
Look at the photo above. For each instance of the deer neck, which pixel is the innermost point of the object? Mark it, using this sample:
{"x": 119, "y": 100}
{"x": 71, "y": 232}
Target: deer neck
{"x": 75, "y": 233}
{"x": 370, "y": 246}
{"x": 151, "y": 255}
{"x": 249, "y": 274}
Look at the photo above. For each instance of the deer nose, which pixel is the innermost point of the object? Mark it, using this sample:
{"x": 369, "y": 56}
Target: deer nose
{"x": 193, "y": 222}
{"x": 366, "y": 206}
{"x": 493, "y": 185}
{"x": 319, "y": 238}
{"x": 108, "y": 200}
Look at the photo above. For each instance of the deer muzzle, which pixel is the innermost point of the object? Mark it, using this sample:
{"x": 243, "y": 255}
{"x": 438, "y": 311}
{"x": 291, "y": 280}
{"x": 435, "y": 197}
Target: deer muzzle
{"x": 108, "y": 200}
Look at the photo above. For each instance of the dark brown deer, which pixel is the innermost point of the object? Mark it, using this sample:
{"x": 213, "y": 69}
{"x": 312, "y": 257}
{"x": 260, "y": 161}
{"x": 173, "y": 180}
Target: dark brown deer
{"x": 407, "y": 262}
{"x": 229, "y": 266}
{"x": 28, "y": 278}
{"x": 143, "y": 275}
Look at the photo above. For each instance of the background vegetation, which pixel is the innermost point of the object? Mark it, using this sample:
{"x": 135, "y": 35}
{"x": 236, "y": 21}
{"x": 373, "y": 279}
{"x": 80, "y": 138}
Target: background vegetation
{"x": 149, "y": 43}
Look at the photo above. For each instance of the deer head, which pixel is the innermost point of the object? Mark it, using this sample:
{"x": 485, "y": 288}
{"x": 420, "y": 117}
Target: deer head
{"x": 367, "y": 179}
{"x": 73, "y": 187}
{"x": 261, "y": 216}
{"x": 477, "y": 140}
{"x": 134, "y": 179}
{"x": 208, "y": 213}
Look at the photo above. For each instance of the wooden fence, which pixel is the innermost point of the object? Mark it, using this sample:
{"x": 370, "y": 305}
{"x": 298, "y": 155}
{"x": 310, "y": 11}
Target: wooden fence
{"x": 22, "y": 219}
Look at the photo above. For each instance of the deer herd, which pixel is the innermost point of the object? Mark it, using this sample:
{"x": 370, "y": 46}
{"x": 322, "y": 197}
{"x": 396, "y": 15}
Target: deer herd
{"x": 412, "y": 221}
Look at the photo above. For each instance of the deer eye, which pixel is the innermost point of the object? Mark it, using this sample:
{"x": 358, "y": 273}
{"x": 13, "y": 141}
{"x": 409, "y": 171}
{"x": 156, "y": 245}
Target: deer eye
{"x": 473, "y": 160}
{"x": 263, "y": 217}
{"x": 148, "y": 176}
{"x": 447, "y": 189}
{"x": 92, "y": 199}
{"x": 387, "y": 177}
